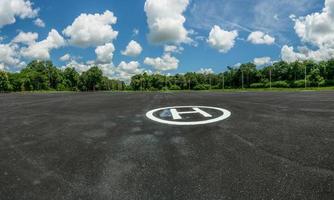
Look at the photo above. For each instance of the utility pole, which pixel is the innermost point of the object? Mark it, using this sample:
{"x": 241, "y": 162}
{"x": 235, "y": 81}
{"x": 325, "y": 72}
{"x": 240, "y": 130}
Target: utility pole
{"x": 242, "y": 79}
{"x": 141, "y": 84}
{"x": 305, "y": 77}
{"x": 189, "y": 84}
{"x": 210, "y": 80}
{"x": 223, "y": 82}
{"x": 270, "y": 77}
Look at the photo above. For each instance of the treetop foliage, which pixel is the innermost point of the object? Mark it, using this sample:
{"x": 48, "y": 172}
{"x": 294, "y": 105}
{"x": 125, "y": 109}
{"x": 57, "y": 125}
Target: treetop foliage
{"x": 43, "y": 75}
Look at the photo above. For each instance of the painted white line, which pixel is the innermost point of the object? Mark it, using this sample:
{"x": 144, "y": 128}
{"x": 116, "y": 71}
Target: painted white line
{"x": 225, "y": 114}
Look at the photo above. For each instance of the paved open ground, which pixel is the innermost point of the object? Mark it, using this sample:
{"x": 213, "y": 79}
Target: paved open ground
{"x": 101, "y": 146}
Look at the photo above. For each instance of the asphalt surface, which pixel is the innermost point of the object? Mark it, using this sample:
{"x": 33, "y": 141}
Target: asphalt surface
{"x": 101, "y": 146}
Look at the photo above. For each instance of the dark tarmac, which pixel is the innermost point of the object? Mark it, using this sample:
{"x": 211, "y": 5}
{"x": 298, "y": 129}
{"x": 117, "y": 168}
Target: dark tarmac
{"x": 101, "y": 146}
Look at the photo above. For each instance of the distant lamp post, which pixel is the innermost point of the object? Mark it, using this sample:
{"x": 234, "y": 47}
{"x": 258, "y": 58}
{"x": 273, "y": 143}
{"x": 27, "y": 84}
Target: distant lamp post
{"x": 223, "y": 81}
{"x": 141, "y": 84}
{"x": 305, "y": 77}
{"x": 242, "y": 79}
{"x": 270, "y": 73}
{"x": 166, "y": 83}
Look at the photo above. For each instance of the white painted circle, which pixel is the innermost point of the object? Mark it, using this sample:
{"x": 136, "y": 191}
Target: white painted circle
{"x": 225, "y": 114}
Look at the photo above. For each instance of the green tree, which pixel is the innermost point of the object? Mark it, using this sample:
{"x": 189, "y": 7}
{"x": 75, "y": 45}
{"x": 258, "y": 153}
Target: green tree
{"x": 315, "y": 78}
{"x": 16, "y": 81}
{"x": 71, "y": 77}
{"x": 4, "y": 82}
{"x": 91, "y": 78}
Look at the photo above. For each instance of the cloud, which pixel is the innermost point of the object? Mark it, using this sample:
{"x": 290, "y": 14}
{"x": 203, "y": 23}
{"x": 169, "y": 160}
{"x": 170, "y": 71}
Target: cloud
{"x": 173, "y": 49}
{"x": 133, "y": 49}
{"x": 26, "y": 38}
{"x": 262, "y": 61}
{"x": 41, "y": 50}
{"x": 166, "y": 21}
{"x": 126, "y": 70}
{"x": 92, "y": 30}
{"x": 164, "y": 63}
{"x": 288, "y": 54}
{"x": 78, "y": 66}
{"x": 135, "y": 32}
{"x": 108, "y": 70}
{"x": 266, "y": 16}
{"x": 39, "y": 22}
{"x": 105, "y": 53}
{"x": 206, "y": 71}
{"x": 237, "y": 65}
{"x": 65, "y": 57}
{"x": 9, "y": 9}
{"x": 221, "y": 39}
{"x": 8, "y": 55}
{"x": 315, "y": 29}
{"x": 259, "y": 37}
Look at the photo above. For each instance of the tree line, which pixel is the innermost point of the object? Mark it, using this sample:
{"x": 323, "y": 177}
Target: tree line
{"x": 43, "y": 75}
{"x": 281, "y": 74}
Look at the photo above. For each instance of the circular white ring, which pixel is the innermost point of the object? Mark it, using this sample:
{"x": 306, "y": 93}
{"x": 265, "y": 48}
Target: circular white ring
{"x": 226, "y": 114}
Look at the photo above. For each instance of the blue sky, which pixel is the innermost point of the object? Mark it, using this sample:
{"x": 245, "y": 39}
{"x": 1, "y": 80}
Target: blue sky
{"x": 208, "y": 34}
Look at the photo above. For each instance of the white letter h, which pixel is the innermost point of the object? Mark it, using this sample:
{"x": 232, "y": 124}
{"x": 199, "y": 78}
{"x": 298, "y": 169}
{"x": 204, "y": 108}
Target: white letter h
{"x": 177, "y": 115}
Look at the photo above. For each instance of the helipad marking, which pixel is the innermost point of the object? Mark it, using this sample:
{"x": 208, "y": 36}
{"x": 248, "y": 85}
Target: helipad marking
{"x": 177, "y": 115}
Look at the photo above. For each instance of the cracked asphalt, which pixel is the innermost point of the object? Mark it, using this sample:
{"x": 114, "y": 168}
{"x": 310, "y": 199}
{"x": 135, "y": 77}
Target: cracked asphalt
{"x": 101, "y": 146}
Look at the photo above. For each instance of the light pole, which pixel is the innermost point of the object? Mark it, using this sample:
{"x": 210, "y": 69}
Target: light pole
{"x": 270, "y": 78}
{"x": 141, "y": 84}
{"x": 305, "y": 77}
{"x": 242, "y": 79}
{"x": 223, "y": 81}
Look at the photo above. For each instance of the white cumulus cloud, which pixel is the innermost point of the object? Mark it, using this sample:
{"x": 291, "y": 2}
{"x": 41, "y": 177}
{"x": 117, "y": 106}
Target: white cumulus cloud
{"x": 78, "y": 66}
{"x": 133, "y": 49}
{"x": 221, "y": 39}
{"x": 26, "y": 38}
{"x": 126, "y": 70}
{"x": 288, "y": 54}
{"x": 105, "y": 53}
{"x": 166, "y": 21}
{"x": 10, "y": 9}
{"x": 164, "y": 63}
{"x": 262, "y": 61}
{"x": 65, "y": 57}
{"x": 206, "y": 71}
{"x": 317, "y": 30}
{"x": 173, "y": 49}
{"x": 39, "y": 22}
{"x": 92, "y": 30}
{"x": 259, "y": 37}
{"x": 8, "y": 55}
{"x": 41, "y": 50}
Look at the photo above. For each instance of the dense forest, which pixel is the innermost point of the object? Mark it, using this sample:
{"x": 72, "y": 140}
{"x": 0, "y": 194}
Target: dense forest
{"x": 279, "y": 75}
{"x": 43, "y": 75}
